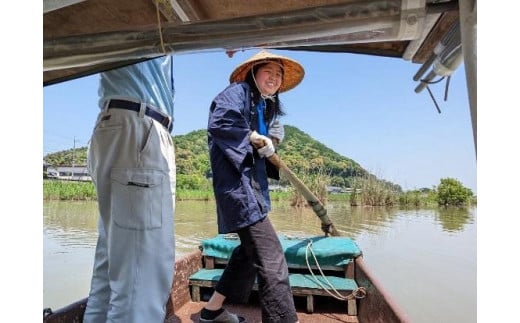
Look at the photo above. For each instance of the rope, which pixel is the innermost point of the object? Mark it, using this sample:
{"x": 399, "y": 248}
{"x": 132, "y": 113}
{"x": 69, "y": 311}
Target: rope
{"x": 432, "y": 81}
{"x": 358, "y": 293}
{"x": 231, "y": 236}
{"x": 159, "y": 25}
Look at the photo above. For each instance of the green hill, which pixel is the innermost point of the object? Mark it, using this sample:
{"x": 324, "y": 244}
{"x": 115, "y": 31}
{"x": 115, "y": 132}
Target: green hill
{"x": 300, "y": 152}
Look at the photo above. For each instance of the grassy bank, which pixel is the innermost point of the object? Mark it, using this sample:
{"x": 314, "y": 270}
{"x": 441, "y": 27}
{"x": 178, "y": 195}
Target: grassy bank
{"x": 371, "y": 194}
{"x": 68, "y": 190}
{"x": 84, "y": 191}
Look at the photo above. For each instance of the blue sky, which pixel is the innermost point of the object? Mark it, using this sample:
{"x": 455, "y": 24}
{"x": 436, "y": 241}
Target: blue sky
{"x": 362, "y": 107}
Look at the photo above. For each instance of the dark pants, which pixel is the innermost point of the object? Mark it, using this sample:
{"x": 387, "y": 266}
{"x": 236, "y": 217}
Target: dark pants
{"x": 260, "y": 256}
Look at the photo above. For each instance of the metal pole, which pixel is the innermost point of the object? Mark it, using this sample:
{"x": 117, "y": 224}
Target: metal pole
{"x": 73, "y": 152}
{"x": 468, "y": 24}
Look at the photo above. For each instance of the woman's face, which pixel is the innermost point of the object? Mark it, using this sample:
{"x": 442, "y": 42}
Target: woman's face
{"x": 269, "y": 78}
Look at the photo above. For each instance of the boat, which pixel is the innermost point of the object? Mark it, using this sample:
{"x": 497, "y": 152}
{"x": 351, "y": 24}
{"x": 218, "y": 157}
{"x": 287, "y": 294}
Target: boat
{"x": 329, "y": 280}
{"x": 81, "y": 38}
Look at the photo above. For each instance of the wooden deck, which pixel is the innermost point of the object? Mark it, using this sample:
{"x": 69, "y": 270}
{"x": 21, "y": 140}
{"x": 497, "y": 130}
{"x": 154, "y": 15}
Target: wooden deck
{"x": 189, "y": 312}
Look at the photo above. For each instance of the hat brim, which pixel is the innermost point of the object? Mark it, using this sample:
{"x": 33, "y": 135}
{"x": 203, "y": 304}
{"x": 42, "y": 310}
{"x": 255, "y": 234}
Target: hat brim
{"x": 293, "y": 72}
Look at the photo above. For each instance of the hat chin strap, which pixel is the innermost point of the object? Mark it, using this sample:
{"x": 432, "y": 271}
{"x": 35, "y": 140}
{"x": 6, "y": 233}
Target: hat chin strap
{"x": 268, "y": 97}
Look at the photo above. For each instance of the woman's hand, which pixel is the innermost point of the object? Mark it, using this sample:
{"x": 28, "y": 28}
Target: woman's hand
{"x": 276, "y": 132}
{"x": 262, "y": 143}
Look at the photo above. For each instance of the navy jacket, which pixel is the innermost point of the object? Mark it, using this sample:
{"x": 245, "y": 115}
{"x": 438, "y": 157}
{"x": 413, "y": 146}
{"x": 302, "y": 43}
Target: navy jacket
{"x": 239, "y": 173}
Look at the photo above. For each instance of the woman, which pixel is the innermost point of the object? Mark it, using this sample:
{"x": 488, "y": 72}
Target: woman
{"x": 243, "y": 124}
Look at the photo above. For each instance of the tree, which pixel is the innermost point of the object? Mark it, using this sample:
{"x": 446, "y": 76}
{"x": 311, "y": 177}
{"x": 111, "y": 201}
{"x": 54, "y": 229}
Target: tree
{"x": 452, "y": 192}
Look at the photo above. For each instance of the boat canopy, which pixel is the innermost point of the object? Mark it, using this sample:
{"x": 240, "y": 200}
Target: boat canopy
{"x": 86, "y": 37}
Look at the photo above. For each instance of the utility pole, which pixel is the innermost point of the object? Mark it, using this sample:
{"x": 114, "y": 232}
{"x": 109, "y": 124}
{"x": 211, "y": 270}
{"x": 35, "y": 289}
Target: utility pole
{"x": 73, "y": 153}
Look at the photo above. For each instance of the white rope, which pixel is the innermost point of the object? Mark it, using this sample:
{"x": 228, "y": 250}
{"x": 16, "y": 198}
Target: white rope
{"x": 231, "y": 236}
{"x": 337, "y": 294}
{"x": 159, "y": 26}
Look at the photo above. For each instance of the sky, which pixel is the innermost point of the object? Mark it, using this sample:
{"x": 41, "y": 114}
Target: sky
{"x": 363, "y": 107}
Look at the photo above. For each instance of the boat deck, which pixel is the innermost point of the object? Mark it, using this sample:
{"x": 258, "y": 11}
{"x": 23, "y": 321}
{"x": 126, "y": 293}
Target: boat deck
{"x": 189, "y": 312}
{"x": 376, "y": 307}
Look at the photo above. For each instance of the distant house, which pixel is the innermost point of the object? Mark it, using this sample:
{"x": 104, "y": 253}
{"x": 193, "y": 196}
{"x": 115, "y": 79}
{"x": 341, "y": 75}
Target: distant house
{"x": 277, "y": 188}
{"x": 334, "y": 189}
{"x": 73, "y": 173}
{"x": 337, "y": 189}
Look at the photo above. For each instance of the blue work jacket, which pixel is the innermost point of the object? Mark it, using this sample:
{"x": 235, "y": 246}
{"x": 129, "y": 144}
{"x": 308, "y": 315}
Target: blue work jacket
{"x": 239, "y": 173}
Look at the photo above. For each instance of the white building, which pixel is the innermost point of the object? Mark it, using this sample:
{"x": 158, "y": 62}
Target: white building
{"x": 75, "y": 173}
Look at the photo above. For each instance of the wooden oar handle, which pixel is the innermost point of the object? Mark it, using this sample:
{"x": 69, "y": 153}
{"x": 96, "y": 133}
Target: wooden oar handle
{"x": 276, "y": 161}
{"x": 313, "y": 201}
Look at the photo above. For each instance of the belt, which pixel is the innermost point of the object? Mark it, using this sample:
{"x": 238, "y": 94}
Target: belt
{"x": 134, "y": 106}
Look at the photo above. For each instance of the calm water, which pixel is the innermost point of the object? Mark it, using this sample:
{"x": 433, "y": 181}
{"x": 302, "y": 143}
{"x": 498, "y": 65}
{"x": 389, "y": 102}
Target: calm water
{"x": 427, "y": 259}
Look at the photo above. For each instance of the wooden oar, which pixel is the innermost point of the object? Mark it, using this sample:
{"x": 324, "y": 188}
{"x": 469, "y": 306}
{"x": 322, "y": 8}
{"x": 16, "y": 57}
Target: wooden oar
{"x": 314, "y": 202}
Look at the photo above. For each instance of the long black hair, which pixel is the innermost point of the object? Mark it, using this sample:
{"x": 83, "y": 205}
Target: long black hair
{"x": 273, "y": 108}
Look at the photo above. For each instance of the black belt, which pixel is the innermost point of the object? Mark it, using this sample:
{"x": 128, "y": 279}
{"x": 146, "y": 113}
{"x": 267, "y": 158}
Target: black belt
{"x": 134, "y": 106}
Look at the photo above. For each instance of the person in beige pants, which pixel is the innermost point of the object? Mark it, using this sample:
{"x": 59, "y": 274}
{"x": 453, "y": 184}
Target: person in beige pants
{"x": 131, "y": 160}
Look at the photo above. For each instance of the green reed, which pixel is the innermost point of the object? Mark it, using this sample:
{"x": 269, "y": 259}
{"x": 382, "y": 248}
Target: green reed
{"x": 68, "y": 190}
{"x": 368, "y": 191}
{"x": 199, "y": 195}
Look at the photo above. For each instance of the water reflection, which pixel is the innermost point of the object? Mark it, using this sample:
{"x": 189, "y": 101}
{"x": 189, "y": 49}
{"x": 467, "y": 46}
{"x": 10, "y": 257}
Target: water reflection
{"x": 429, "y": 251}
{"x": 74, "y": 224}
{"x": 454, "y": 219}
{"x": 71, "y": 224}
{"x": 349, "y": 221}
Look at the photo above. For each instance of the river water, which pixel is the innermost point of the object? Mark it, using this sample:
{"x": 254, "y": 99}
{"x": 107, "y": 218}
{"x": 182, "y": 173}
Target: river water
{"x": 426, "y": 259}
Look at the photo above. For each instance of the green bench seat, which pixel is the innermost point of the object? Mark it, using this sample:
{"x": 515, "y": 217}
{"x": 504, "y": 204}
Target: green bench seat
{"x": 332, "y": 253}
{"x": 301, "y": 285}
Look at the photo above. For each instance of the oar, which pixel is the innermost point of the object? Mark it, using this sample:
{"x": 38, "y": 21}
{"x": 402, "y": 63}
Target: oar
{"x": 314, "y": 202}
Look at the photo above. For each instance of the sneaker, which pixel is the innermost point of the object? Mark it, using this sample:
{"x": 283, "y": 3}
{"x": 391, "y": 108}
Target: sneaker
{"x": 225, "y": 317}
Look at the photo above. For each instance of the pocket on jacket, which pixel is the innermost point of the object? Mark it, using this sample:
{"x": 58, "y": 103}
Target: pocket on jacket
{"x": 137, "y": 198}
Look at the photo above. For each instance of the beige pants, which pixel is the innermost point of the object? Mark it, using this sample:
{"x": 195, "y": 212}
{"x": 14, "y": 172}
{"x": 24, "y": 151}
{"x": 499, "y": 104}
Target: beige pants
{"x": 132, "y": 162}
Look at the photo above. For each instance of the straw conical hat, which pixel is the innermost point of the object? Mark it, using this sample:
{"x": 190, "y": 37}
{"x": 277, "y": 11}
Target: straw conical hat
{"x": 292, "y": 75}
